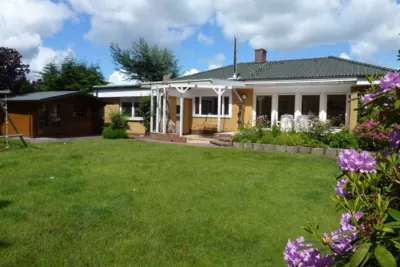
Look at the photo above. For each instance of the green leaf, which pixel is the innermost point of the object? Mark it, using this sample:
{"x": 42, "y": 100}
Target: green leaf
{"x": 395, "y": 214}
{"x": 360, "y": 254}
{"x": 384, "y": 257}
{"x": 397, "y": 104}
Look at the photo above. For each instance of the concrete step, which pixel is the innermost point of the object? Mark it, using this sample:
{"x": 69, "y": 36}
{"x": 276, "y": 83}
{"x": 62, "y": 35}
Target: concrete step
{"x": 220, "y": 143}
{"x": 225, "y": 139}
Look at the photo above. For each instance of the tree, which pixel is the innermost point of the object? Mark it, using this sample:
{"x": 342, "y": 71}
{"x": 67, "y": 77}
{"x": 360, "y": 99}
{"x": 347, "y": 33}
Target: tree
{"x": 145, "y": 112}
{"x": 12, "y": 71}
{"x": 71, "y": 74}
{"x": 144, "y": 62}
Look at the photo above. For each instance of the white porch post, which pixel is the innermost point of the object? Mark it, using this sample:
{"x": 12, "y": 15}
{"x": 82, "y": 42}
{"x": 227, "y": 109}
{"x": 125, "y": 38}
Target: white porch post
{"x": 181, "y": 117}
{"x": 164, "y": 111}
{"x": 158, "y": 111}
{"x": 322, "y": 106}
{"x": 151, "y": 111}
{"x": 274, "y": 112}
{"x": 219, "y": 111}
{"x": 297, "y": 105}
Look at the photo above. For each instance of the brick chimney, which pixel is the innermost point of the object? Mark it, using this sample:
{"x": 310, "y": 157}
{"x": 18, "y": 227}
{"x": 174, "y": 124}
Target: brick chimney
{"x": 166, "y": 77}
{"x": 260, "y": 55}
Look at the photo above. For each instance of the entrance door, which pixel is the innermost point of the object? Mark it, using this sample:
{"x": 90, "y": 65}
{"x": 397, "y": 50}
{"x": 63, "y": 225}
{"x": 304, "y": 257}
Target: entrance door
{"x": 187, "y": 115}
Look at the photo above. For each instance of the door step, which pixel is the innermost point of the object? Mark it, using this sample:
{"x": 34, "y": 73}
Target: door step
{"x": 222, "y": 140}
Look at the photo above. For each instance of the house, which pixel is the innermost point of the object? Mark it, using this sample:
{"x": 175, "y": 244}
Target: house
{"x": 123, "y": 98}
{"x": 219, "y": 100}
{"x": 54, "y": 114}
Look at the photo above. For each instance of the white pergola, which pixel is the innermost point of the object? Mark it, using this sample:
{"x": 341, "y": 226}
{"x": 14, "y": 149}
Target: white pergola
{"x": 159, "y": 89}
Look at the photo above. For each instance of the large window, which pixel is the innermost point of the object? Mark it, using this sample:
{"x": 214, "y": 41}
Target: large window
{"x": 285, "y": 105}
{"x": 44, "y": 116}
{"x": 310, "y": 105}
{"x": 336, "y": 109}
{"x": 264, "y": 106}
{"x": 129, "y": 107}
{"x": 208, "y": 105}
{"x": 56, "y": 115}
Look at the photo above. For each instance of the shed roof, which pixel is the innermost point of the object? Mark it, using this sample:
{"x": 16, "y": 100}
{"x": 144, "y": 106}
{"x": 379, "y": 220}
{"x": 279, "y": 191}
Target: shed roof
{"x": 47, "y": 96}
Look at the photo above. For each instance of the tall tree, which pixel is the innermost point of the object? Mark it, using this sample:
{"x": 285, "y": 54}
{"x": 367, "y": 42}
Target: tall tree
{"x": 12, "y": 71}
{"x": 71, "y": 75}
{"x": 144, "y": 62}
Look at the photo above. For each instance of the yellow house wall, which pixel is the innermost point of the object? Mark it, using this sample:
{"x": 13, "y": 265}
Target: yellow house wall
{"x": 231, "y": 124}
{"x": 135, "y": 127}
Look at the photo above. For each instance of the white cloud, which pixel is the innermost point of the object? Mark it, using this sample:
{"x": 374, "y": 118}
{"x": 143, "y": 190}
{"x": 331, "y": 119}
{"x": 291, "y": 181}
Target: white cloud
{"x": 161, "y": 22}
{"x": 344, "y": 55}
{"x": 190, "y": 72}
{"x": 23, "y": 23}
{"x": 216, "y": 62}
{"x": 207, "y": 40}
{"x": 118, "y": 77}
{"x": 369, "y": 26}
{"x": 44, "y": 56}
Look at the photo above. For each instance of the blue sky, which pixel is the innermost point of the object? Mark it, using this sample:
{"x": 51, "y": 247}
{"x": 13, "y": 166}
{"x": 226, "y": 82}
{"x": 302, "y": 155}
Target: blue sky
{"x": 200, "y": 32}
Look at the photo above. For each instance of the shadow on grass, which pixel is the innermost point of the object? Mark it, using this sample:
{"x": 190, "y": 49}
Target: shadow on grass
{"x": 4, "y": 203}
{"x": 4, "y": 244}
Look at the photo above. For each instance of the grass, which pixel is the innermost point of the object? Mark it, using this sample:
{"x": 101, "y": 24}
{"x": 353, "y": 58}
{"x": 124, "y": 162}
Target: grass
{"x": 130, "y": 203}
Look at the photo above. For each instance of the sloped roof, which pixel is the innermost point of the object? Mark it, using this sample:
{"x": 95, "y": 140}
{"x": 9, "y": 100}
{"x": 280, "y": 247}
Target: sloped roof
{"x": 46, "y": 96}
{"x": 118, "y": 86}
{"x": 310, "y": 68}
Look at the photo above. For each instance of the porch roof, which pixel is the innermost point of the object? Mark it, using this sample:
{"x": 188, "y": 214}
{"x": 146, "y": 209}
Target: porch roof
{"x": 196, "y": 83}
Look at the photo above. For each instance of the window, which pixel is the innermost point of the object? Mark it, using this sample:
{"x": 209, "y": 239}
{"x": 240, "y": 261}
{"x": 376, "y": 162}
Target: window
{"x": 43, "y": 116}
{"x": 130, "y": 107}
{"x": 79, "y": 111}
{"x": 178, "y": 110}
{"x": 310, "y": 104}
{"x": 208, "y": 105}
{"x": 264, "y": 106}
{"x": 336, "y": 109}
{"x": 56, "y": 115}
{"x": 285, "y": 105}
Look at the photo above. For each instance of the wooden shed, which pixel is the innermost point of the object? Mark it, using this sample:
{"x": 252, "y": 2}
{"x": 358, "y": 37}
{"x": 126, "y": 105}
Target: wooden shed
{"x": 54, "y": 114}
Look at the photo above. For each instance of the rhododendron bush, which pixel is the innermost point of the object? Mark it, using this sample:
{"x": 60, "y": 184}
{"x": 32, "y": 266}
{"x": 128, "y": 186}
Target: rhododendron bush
{"x": 367, "y": 193}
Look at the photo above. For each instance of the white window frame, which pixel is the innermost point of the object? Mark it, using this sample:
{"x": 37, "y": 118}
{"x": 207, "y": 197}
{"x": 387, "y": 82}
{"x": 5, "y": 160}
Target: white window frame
{"x": 229, "y": 116}
{"x": 130, "y": 100}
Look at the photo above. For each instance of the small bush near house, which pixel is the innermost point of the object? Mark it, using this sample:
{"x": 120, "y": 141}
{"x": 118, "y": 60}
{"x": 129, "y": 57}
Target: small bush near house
{"x": 372, "y": 135}
{"x": 117, "y": 128}
{"x": 109, "y": 133}
{"x": 247, "y": 135}
{"x": 144, "y": 111}
{"x": 343, "y": 139}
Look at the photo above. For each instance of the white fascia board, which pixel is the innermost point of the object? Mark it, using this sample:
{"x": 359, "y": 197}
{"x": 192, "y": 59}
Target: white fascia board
{"x": 122, "y": 93}
{"x": 364, "y": 81}
{"x": 310, "y": 81}
{"x": 200, "y": 83}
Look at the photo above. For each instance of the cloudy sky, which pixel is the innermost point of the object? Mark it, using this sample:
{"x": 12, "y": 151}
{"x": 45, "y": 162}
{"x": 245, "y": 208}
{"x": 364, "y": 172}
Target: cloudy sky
{"x": 200, "y": 32}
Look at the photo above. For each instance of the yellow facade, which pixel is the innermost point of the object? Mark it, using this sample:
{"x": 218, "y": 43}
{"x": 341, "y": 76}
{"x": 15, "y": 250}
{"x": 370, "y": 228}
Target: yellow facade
{"x": 135, "y": 127}
{"x": 228, "y": 124}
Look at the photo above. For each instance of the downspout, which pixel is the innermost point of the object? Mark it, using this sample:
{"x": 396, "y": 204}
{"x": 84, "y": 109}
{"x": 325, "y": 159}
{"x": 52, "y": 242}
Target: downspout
{"x": 240, "y": 113}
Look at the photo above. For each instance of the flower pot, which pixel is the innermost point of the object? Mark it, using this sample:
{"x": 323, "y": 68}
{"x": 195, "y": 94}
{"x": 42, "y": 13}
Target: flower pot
{"x": 257, "y": 146}
{"x": 248, "y": 145}
{"x": 331, "y": 152}
{"x": 269, "y": 147}
{"x": 237, "y": 145}
{"x": 280, "y": 148}
{"x": 304, "y": 150}
{"x": 316, "y": 151}
{"x": 292, "y": 149}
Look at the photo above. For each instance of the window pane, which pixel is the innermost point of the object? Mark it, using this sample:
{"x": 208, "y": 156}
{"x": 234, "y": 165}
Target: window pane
{"x": 197, "y": 105}
{"x": 44, "y": 116}
{"x": 285, "y": 105}
{"x": 79, "y": 111}
{"x": 310, "y": 105}
{"x": 226, "y": 105}
{"x": 127, "y": 108}
{"x": 336, "y": 110}
{"x": 264, "y": 106}
{"x": 209, "y": 105}
{"x": 135, "y": 108}
{"x": 56, "y": 115}
{"x": 178, "y": 110}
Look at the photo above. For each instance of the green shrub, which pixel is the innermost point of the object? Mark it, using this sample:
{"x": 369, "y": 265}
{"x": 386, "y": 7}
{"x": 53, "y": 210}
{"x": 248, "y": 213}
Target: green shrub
{"x": 247, "y": 135}
{"x": 267, "y": 138}
{"x": 288, "y": 140}
{"x": 119, "y": 121}
{"x": 276, "y": 129}
{"x": 110, "y": 133}
{"x": 342, "y": 139}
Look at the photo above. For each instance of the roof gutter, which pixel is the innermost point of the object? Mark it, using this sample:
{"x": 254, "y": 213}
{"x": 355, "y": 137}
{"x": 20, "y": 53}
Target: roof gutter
{"x": 303, "y": 81}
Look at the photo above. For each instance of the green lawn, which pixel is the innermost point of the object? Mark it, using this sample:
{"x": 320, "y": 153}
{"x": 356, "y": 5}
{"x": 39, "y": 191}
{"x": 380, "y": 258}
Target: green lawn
{"x": 131, "y": 203}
